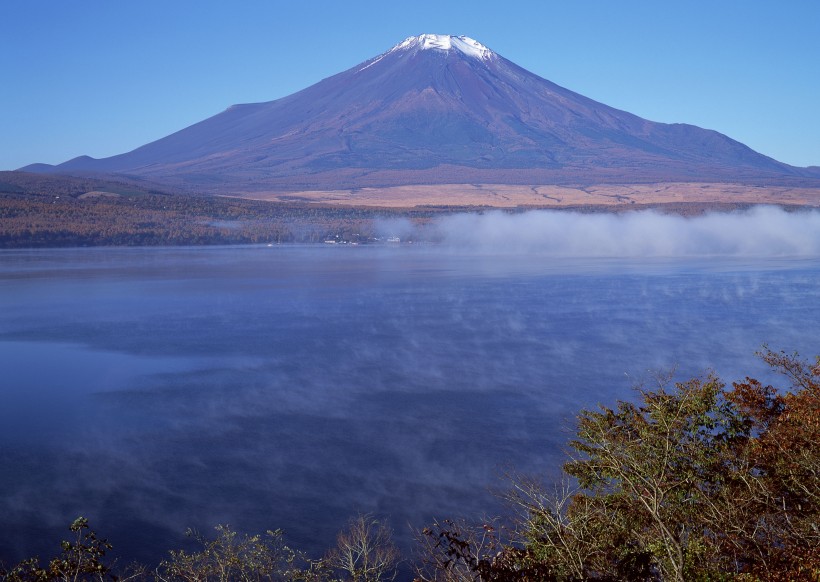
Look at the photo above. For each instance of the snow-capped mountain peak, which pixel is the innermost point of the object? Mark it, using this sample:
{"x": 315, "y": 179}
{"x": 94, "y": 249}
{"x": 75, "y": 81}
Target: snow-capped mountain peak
{"x": 446, "y": 42}
{"x": 434, "y": 109}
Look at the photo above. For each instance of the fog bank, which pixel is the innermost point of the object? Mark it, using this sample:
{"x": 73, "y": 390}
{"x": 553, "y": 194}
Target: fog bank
{"x": 760, "y": 231}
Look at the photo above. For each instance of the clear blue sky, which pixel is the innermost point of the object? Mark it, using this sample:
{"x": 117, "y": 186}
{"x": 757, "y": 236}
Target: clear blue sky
{"x": 101, "y": 77}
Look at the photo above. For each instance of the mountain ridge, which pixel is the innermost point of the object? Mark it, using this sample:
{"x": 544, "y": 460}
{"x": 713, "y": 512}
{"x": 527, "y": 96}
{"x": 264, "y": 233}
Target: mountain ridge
{"x": 435, "y": 109}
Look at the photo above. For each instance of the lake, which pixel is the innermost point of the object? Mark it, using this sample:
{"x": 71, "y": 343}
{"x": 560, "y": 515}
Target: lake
{"x": 152, "y": 390}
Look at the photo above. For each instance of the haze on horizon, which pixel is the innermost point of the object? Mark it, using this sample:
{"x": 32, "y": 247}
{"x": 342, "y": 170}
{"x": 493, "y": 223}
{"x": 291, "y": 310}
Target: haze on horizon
{"x": 101, "y": 79}
{"x": 644, "y": 234}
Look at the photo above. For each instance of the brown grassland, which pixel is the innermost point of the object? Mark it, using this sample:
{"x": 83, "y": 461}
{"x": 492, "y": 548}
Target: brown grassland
{"x": 511, "y": 196}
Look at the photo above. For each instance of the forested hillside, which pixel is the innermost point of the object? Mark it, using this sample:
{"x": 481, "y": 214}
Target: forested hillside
{"x": 52, "y": 211}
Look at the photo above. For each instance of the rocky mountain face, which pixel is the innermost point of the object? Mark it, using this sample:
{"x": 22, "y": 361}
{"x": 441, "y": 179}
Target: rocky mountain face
{"x": 434, "y": 109}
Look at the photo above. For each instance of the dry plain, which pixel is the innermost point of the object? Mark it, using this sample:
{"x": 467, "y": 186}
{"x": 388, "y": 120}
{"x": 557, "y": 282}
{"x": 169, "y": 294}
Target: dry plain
{"x": 513, "y": 196}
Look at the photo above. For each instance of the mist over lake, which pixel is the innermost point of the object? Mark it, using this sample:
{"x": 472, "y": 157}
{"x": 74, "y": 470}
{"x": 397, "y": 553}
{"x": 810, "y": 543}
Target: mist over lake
{"x": 152, "y": 390}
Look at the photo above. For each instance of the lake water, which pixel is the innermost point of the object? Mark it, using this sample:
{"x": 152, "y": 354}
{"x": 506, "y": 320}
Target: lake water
{"x": 153, "y": 390}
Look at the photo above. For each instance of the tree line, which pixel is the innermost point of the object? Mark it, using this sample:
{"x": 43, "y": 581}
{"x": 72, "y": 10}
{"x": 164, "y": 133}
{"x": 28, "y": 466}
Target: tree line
{"x": 53, "y": 211}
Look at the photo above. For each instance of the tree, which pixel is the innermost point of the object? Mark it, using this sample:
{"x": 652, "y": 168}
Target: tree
{"x": 656, "y": 464}
{"x": 458, "y": 551}
{"x": 781, "y": 540}
{"x": 689, "y": 482}
{"x": 365, "y": 551}
{"x": 232, "y": 557}
{"x": 81, "y": 559}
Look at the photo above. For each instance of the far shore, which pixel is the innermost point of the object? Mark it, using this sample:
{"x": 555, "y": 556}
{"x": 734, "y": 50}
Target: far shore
{"x": 511, "y": 196}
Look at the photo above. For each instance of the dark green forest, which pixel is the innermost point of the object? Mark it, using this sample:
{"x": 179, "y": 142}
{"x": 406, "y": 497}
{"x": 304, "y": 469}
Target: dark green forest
{"x": 694, "y": 480}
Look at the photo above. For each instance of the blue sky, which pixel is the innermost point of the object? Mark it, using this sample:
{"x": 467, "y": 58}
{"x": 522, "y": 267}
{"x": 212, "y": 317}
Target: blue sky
{"x": 101, "y": 77}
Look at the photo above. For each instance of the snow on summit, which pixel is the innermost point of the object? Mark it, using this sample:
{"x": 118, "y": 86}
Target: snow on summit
{"x": 436, "y": 109}
{"x": 446, "y": 42}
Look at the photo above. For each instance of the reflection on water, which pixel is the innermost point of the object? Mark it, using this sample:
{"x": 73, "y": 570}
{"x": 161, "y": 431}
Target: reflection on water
{"x": 156, "y": 389}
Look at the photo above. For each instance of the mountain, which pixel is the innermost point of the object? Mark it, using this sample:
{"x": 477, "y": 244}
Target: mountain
{"x": 434, "y": 109}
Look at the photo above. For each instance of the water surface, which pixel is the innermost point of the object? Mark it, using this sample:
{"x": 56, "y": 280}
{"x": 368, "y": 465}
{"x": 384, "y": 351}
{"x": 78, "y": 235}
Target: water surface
{"x": 153, "y": 390}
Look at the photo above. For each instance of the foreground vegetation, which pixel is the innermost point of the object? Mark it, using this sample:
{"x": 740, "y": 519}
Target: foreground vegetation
{"x": 696, "y": 482}
{"x": 693, "y": 481}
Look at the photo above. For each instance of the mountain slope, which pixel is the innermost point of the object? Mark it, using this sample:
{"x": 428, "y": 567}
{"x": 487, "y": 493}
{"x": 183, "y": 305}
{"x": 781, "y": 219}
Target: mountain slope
{"x": 434, "y": 109}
